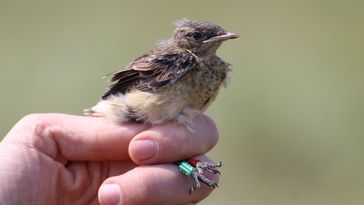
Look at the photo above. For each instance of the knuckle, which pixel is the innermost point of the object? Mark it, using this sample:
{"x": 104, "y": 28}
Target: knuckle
{"x": 39, "y": 124}
{"x": 31, "y": 118}
{"x": 36, "y": 122}
{"x": 30, "y": 129}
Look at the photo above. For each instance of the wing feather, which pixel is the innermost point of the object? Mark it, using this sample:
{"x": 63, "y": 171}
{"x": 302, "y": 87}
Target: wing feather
{"x": 151, "y": 72}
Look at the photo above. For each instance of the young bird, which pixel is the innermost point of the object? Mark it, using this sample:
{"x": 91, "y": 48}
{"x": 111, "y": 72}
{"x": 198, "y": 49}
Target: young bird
{"x": 175, "y": 81}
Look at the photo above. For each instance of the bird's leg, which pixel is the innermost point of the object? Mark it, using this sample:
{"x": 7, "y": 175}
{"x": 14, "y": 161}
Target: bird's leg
{"x": 200, "y": 177}
{"x": 195, "y": 168}
{"x": 208, "y": 166}
{"x": 208, "y": 182}
{"x": 186, "y": 117}
{"x": 197, "y": 182}
{"x": 189, "y": 168}
{"x": 191, "y": 112}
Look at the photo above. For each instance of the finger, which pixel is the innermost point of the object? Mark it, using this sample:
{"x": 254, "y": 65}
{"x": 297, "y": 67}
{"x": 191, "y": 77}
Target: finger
{"x": 172, "y": 142}
{"x": 157, "y": 184}
{"x": 77, "y": 138}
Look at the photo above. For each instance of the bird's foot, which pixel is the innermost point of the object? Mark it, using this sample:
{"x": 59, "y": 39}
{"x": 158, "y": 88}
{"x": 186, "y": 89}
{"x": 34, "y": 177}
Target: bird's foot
{"x": 207, "y": 166}
{"x": 199, "y": 176}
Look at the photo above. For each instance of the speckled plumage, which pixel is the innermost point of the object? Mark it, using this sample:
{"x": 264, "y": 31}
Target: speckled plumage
{"x": 173, "y": 82}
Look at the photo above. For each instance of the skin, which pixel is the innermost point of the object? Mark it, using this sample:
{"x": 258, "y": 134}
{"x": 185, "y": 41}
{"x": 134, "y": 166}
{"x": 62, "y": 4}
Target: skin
{"x": 65, "y": 159}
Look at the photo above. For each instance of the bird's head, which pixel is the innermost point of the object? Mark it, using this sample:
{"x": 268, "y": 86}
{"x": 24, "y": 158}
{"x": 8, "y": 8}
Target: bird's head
{"x": 200, "y": 37}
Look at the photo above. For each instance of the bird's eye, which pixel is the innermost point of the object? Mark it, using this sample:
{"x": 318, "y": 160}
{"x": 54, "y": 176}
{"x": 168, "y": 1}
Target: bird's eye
{"x": 196, "y": 35}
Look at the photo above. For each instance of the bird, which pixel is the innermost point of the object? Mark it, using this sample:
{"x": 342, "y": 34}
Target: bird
{"x": 174, "y": 82}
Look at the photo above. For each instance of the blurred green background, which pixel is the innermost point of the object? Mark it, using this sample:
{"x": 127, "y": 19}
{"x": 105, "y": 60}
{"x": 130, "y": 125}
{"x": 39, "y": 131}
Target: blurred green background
{"x": 291, "y": 122}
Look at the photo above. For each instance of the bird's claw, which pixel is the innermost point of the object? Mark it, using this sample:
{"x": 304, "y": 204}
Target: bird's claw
{"x": 195, "y": 169}
{"x": 199, "y": 177}
{"x": 208, "y": 166}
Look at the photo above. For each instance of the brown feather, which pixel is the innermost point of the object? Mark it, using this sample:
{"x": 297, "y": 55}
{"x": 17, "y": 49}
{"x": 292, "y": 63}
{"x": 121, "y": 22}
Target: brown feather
{"x": 151, "y": 72}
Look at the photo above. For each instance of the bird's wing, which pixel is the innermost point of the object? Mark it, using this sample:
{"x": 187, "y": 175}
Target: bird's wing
{"x": 151, "y": 72}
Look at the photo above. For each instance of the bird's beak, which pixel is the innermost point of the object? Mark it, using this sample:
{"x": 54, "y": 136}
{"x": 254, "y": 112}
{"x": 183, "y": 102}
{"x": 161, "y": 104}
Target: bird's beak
{"x": 223, "y": 37}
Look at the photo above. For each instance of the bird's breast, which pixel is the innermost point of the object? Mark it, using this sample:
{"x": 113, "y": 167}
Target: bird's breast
{"x": 195, "y": 89}
{"x": 200, "y": 87}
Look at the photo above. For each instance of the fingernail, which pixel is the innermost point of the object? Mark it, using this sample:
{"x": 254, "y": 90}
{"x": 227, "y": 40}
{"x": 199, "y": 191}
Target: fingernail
{"x": 109, "y": 194}
{"x": 145, "y": 149}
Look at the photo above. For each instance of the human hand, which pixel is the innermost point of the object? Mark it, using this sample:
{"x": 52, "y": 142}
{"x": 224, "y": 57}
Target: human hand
{"x": 64, "y": 159}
